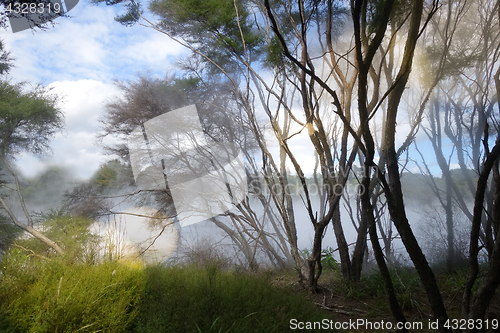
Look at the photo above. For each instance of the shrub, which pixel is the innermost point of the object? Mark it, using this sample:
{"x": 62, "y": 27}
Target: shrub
{"x": 63, "y": 297}
{"x": 43, "y": 292}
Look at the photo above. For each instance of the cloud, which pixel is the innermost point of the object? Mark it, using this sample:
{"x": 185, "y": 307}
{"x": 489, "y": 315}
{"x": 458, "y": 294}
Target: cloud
{"x": 153, "y": 50}
{"x": 80, "y": 58}
{"x": 75, "y": 148}
{"x": 90, "y": 45}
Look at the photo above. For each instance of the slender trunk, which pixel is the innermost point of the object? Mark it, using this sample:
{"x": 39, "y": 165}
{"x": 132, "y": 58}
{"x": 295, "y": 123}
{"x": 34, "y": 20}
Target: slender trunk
{"x": 486, "y": 290}
{"x": 26, "y": 227}
{"x": 397, "y": 211}
{"x": 32, "y": 231}
{"x": 393, "y": 189}
{"x": 450, "y": 258}
{"x": 474, "y": 235}
{"x": 359, "y": 250}
{"x": 368, "y": 215}
{"x": 345, "y": 261}
{"x": 315, "y": 258}
{"x": 482, "y": 297}
{"x": 289, "y": 221}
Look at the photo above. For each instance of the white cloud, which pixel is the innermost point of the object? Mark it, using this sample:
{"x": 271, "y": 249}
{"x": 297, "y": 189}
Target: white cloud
{"x": 91, "y": 45}
{"x": 83, "y": 101}
{"x": 79, "y": 58}
{"x": 75, "y": 148}
{"x": 153, "y": 50}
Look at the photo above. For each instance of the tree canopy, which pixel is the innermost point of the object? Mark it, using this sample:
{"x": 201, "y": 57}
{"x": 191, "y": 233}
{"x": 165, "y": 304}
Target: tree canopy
{"x": 28, "y": 119}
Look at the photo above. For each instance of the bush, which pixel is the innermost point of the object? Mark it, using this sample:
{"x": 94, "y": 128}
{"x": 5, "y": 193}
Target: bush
{"x": 66, "y": 298}
{"x": 44, "y": 292}
{"x": 41, "y": 291}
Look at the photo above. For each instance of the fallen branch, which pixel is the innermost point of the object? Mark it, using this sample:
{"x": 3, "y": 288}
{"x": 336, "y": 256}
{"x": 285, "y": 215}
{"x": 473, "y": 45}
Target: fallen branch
{"x": 339, "y": 309}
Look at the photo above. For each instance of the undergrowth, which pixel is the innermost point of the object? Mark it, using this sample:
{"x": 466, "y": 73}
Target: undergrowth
{"x": 41, "y": 291}
{"x": 189, "y": 299}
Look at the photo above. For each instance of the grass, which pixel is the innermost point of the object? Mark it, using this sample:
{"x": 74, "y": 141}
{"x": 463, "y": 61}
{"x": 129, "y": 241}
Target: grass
{"x": 63, "y": 297}
{"x": 56, "y": 295}
{"x": 81, "y": 292}
{"x": 78, "y": 292}
{"x": 189, "y": 299}
{"x": 112, "y": 297}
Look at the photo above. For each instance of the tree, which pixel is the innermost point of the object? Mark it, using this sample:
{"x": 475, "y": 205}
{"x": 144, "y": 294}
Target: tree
{"x": 292, "y": 44}
{"x": 28, "y": 119}
{"x": 5, "y": 60}
{"x": 462, "y": 112}
{"x": 242, "y": 54}
{"x": 147, "y": 98}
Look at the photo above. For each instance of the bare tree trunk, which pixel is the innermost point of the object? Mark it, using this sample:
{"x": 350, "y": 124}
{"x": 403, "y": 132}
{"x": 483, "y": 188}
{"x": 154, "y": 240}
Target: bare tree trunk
{"x": 315, "y": 258}
{"x": 26, "y": 227}
{"x": 476, "y": 308}
{"x": 481, "y": 299}
{"x": 35, "y": 233}
{"x": 289, "y": 222}
{"x": 393, "y": 189}
{"x": 368, "y": 215}
{"x": 345, "y": 261}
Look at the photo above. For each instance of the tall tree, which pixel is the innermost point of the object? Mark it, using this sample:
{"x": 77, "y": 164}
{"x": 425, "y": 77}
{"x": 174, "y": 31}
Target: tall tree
{"x": 28, "y": 120}
{"x": 148, "y": 98}
{"x": 249, "y": 40}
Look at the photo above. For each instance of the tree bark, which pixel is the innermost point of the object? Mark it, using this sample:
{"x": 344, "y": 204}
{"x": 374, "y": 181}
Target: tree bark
{"x": 393, "y": 189}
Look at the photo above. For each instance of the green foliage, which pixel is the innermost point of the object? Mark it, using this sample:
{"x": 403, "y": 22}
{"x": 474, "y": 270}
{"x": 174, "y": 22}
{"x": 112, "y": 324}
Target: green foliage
{"x": 305, "y": 253}
{"x": 328, "y": 261}
{"x": 274, "y": 53}
{"x": 104, "y": 177}
{"x": 406, "y": 284}
{"x": 214, "y": 26}
{"x": 5, "y": 58}
{"x": 41, "y": 295}
{"x": 376, "y": 8}
{"x": 132, "y": 14}
{"x": 112, "y": 175}
{"x": 28, "y": 119}
{"x": 187, "y": 84}
{"x": 71, "y": 233}
{"x": 8, "y": 233}
{"x": 190, "y": 299}
{"x": 55, "y": 296}
{"x": 42, "y": 292}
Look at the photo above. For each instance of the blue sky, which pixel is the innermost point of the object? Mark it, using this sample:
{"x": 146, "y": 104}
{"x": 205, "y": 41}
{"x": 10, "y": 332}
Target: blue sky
{"x": 80, "y": 58}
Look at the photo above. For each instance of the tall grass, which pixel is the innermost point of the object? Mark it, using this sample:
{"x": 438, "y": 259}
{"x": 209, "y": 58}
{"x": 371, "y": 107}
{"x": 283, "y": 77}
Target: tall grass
{"x": 189, "y": 299}
{"x": 77, "y": 292}
{"x": 63, "y": 297}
